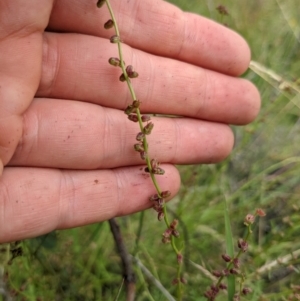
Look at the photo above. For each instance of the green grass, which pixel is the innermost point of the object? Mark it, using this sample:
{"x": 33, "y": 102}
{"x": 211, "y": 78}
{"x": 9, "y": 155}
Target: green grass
{"x": 263, "y": 171}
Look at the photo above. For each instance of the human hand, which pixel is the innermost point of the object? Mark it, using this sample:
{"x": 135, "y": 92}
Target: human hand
{"x": 65, "y": 142}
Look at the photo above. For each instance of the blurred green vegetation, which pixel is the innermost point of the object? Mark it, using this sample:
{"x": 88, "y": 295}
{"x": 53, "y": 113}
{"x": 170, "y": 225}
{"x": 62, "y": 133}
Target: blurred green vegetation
{"x": 263, "y": 171}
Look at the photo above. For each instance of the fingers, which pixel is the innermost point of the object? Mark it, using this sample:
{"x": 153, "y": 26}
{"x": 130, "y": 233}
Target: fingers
{"x": 77, "y": 135}
{"x": 20, "y": 65}
{"x": 172, "y": 87}
{"x": 160, "y": 28}
{"x": 42, "y": 200}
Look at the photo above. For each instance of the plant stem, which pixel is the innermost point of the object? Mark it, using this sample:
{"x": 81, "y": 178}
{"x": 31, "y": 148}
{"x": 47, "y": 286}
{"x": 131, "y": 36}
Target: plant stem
{"x": 145, "y": 144}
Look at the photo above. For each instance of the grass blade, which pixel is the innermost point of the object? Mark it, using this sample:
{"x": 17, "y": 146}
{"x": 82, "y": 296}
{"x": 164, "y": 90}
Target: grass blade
{"x": 229, "y": 251}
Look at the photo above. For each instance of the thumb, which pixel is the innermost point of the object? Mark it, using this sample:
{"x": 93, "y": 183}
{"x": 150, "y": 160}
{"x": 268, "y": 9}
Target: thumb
{"x": 21, "y": 34}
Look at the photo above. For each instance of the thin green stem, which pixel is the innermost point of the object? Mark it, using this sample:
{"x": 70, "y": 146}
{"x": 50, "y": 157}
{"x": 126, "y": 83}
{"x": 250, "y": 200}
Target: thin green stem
{"x": 145, "y": 143}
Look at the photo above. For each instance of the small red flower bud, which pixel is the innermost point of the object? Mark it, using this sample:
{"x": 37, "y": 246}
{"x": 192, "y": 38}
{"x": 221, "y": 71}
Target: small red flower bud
{"x": 115, "y": 39}
{"x": 233, "y": 271}
{"x": 174, "y": 224}
{"x": 175, "y": 281}
{"x": 243, "y": 245}
{"x": 209, "y": 295}
{"x": 160, "y": 202}
{"x": 154, "y": 197}
{"x": 167, "y": 233}
{"x": 134, "y": 74}
{"x": 157, "y": 208}
{"x": 222, "y": 286}
{"x": 140, "y": 136}
{"x": 139, "y": 147}
{"x": 236, "y": 263}
{"x": 143, "y": 155}
{"x": 100, "y": 3}
{"x": 109, "y": 24}
{"x": 246, "y": 291}
{"x": 165, "y": 240}
{"x": 183, "y": 280}
{"x": 122, "y": 78}
{"x": 217, "y": 273}
{"x": 146, "y": 118}
{"x": 129, "y": 70}
{"x": 130, "y": 109}
{"x": 114, "y": 61}
{"x": 165, "y": 194}
{"x": 226, "y": 257}
{"x": 148, "y": 128}
{"x": 260, "y": 212}
{"x": 249, "y": 219}
{"x": 154, "y": 164}
{"x": 133, "y": 117}
{"x": 214, "y": 288}
{"x": 225, "y": 272}
{"x": 158, "y": 171}
{"x": 136, "y": 104}
{"x": 160, "y": 216}
{"x": 175, "y": 233}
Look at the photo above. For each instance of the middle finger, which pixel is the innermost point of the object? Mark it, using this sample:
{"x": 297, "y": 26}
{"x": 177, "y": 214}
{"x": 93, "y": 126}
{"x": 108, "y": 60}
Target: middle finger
{"x": 75, "y": 67}
{"x": 77, "y": 135}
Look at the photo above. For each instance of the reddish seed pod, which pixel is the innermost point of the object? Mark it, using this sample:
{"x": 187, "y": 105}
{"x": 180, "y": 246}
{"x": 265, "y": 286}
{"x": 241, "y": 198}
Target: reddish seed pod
{"x": 148, "y": 128}
{"x": 175, "y": 233}
{"x": 165, "y": 194}
{"x": 136, "y": 104}
{"x": 109, "y": 24}
{"x": 214, "y": 288}
{"x": 222, "y": 286}
{"x": 175, "y": 281}
{"x": 100, "y": 3}
{"x": 167, "y": 233}
{"x": 165, "y": 240}
{"x": 139, "y": 147}
{"x": 233, "y": 271}
{"x": 226, "y": 257}
{"x": 160, "y": 216}
{"x": 160, "y": 202}
{"x": 236, "y": 263}
{"x": 140, "y": 136}
{"x": 154, "y": 197}
{"x": 174, "y": 224}
{"x": 183, "y": 280}
{"x": 246, "y": 291}
{"x": 115, "y": 39}
{"x": 143, "y": 155}
{"x": 154, "y": 164}
{"x": 243, "y": 245}
{"x": 134, "y": 74}
{"x": 130, "y": 109}
{"x": 133, "y": 117}
{"x": 249, "y": 219}
{"x": 225, "y": 272}
{"x": 129, "y": 69}
{"x": 114, "y": 61}
{"x": 146, "y": 118}
{"x": 260, "y": 212}
{"x": 217, "y": 273}
{"x": 158, "y": 171}
{"x": 157, "y": 208}
{"x": 122, "y": 78}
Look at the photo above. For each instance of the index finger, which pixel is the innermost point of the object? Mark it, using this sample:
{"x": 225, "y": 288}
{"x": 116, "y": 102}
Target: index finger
{"x": 160, "y": 28}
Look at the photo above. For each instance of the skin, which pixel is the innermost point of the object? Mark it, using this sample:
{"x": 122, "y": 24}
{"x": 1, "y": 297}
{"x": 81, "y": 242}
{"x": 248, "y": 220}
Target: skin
{"x": 65, "y": 143}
